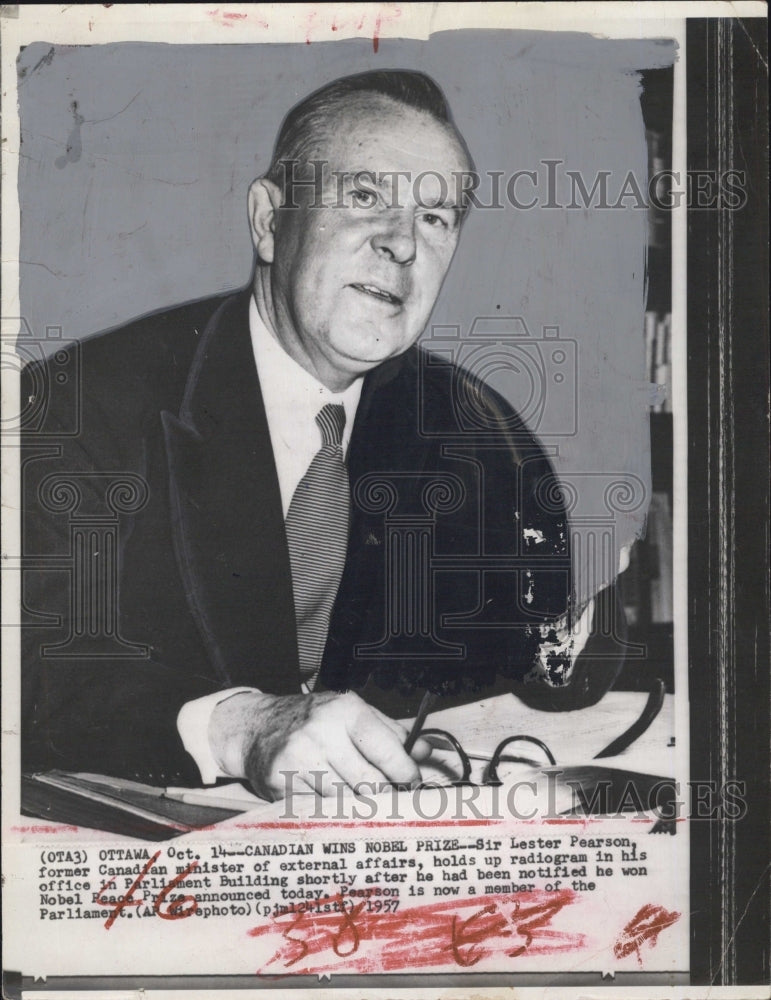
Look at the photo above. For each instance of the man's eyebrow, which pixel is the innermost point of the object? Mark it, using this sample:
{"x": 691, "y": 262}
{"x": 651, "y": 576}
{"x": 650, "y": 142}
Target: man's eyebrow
{"x": 382, "y": 179}
{"x": 354, "y": 175}
{"x": 448, "y": 203}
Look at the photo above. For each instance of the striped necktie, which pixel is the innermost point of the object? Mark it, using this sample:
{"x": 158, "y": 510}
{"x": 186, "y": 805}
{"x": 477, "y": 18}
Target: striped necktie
{"x": 317, "y": 534}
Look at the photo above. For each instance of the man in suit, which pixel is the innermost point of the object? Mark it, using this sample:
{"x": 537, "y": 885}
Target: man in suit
{"x": 277, "y": 524}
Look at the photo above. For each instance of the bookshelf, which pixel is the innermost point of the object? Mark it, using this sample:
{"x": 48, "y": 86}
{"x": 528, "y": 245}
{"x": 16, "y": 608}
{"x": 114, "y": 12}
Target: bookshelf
{"x": 646, "y": 587}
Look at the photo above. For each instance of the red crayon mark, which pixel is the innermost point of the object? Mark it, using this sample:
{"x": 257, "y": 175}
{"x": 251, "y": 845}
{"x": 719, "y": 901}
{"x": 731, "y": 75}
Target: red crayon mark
{"x": 310, "y": 20}
{"x": 376, "y": 34}
{"x": 645, "y": 925}
{"x": 331, "y": 931}
{"x": 360, "y": 824}
{"x": 469, "y": 933}
{"x": 380, "y": 824}
{"x": 41, "y": 828}
{"x": 368, "y": 23}
{"x": 225, "y": 18}
{"x": 127, "y": 899}
{"x": 177, "y": 908}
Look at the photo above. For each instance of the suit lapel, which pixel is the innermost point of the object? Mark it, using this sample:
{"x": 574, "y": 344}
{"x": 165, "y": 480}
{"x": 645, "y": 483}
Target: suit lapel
{"x": 227, "y": 518}
{"x": 226, "y": 511}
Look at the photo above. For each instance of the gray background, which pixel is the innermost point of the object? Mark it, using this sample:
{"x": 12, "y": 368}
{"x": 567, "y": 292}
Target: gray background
{"x": 136, "y": 158}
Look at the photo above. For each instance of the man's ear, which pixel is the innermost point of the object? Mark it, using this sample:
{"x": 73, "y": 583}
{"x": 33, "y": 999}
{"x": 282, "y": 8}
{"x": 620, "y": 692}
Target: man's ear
{"x": 264, "y": 202}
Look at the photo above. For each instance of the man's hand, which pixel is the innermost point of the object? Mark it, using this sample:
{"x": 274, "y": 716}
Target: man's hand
{"x": 259, "y": 736}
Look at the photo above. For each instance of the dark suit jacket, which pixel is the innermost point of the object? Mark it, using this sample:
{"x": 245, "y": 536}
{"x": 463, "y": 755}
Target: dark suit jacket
{"x": 141, "y": 596}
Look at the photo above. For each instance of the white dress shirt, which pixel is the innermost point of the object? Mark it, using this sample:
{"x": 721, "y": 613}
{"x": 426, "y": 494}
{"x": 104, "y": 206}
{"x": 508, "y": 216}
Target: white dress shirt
{"x": 292, "y": 398}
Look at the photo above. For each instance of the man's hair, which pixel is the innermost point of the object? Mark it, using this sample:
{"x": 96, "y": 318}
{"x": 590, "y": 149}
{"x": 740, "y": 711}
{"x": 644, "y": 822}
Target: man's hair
{"x": 309, "y": 122}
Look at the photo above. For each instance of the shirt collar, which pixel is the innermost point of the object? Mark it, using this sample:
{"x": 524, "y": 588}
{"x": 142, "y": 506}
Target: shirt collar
{"x": 292, "y": 396}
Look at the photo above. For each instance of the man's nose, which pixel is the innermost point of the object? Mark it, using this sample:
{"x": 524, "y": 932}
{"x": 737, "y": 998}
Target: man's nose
{"x": 395, "y": 238}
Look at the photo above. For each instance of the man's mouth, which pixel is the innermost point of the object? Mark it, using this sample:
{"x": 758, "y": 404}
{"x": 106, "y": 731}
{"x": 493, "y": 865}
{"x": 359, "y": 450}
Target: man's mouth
{"x": 378, "y": 293}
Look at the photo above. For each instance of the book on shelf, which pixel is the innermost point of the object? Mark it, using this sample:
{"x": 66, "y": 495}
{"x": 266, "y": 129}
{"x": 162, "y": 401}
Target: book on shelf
{"x": 658, "y": 359}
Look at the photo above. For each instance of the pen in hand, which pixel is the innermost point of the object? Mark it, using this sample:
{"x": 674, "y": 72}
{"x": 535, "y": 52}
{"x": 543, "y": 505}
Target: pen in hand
{"x": 426, "y": 704}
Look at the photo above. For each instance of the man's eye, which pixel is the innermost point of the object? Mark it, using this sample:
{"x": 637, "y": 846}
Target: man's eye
{"x": 435, "y": 221}
{"x": 362, "y": 198}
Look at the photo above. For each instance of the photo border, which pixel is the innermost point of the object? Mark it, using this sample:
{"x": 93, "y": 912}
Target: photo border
{"x": 728, "y": 503}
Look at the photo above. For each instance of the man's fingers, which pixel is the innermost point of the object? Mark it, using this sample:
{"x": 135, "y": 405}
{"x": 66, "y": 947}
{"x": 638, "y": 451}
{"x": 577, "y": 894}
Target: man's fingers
{"x": 385, "y": 750}
{"x": 421, "y": 751}
{"x": 305, "y": 769}
{"x": 397, "y": 728}
{"x": 329, "y": 740}
{"x": 324, "y": 780}
{"x": 356, "y": 770}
